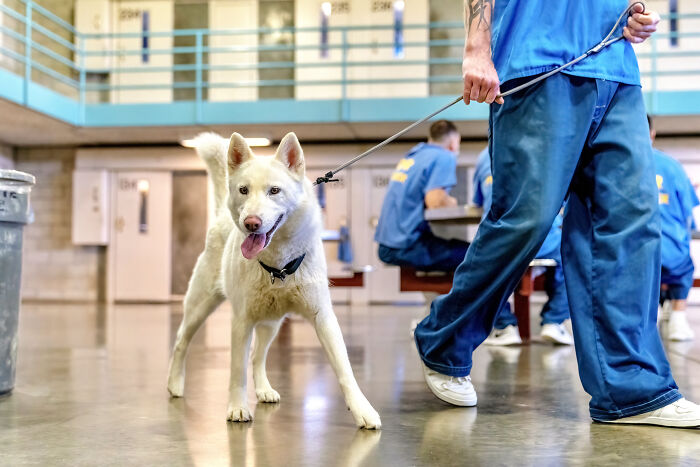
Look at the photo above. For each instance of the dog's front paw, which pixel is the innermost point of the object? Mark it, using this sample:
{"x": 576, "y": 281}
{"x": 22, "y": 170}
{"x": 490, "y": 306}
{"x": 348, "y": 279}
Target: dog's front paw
{"x": 367, "y": 418}
{"x": 239, "y": 414}
{"x": 176, "y": 386}
{"x": 267, "y": 395}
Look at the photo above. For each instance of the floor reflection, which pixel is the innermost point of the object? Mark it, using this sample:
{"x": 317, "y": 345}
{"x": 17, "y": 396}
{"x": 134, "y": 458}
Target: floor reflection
{"x": 91, "y": 387}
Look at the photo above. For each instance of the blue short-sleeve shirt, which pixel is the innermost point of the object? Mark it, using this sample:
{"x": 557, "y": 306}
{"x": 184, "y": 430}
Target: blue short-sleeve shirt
{"x": 425, "y": 167}
{"x": 677, "y": 199}
{"x": 483, "y": 182}
{"x": 530, "y": 37}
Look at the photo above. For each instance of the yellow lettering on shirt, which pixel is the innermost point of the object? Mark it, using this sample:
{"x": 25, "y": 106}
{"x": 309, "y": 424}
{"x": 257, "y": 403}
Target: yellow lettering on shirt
{"x": 659, "y": 181}
{"x": 663, "y": 198}
{"x": 405, "y": 164}
{"x": 489, "y": 180}
{"x": 399, "y": 177}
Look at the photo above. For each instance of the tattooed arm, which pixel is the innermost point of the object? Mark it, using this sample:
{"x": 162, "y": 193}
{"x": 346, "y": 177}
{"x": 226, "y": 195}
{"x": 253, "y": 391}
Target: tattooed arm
{"x": 481, "y": 82}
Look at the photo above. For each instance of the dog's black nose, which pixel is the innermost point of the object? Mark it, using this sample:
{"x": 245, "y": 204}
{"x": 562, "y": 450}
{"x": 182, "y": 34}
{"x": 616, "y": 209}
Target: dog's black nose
{"x": 252, "y": 223}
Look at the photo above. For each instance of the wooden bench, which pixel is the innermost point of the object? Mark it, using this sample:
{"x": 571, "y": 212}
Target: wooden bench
{"x": 440, "y": 282}
{"x": 354, "y": 278}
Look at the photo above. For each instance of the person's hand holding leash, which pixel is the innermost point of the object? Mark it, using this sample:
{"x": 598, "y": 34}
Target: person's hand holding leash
{"x": 481, "y": 82}
{"x": 640, "y": 25}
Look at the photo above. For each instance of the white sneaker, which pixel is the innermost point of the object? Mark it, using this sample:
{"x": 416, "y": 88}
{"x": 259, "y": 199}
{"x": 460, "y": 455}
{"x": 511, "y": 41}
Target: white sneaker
{"x": 507, "y": 336}
{"x": 665, "y": 311}
{"x": 556, "y": 334}
{"x": 679, "y": 328}
{"x": 679, "y": 414}
{"x": 451, "y": 389}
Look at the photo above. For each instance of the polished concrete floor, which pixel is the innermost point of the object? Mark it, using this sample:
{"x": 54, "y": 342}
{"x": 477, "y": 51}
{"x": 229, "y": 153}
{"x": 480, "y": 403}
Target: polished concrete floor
{"x": 91, "y": 391}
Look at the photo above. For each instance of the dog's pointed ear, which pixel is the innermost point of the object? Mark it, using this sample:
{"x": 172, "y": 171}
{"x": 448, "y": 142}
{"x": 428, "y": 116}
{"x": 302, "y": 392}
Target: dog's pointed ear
{"x": 290, "y": 154}
{"x": 238, "y": 152}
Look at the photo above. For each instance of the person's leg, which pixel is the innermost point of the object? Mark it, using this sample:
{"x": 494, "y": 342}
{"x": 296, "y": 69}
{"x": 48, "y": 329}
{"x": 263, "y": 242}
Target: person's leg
{"x": 556, "y": 310}
{"x": 428, "y": 253}
{"x": 505, "y": 317}
{"x": 678, "y": 287}
{"x": 531, "y": 175}
{"x": 611, "y": 258}
{"x": 443, "y": 255}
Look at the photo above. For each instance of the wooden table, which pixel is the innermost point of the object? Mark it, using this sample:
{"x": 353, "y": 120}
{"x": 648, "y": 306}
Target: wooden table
{"x": 463, "y": 214}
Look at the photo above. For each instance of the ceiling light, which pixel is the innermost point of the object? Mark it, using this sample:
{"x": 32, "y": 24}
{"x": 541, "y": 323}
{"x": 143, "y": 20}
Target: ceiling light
{"x": 192, "y": 142}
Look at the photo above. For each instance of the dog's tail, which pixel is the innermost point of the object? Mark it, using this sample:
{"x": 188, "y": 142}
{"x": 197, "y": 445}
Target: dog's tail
{"x": 212, "y": 149}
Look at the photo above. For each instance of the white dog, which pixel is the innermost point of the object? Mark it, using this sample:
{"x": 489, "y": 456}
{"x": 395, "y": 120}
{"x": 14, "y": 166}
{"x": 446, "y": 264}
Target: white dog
{"x": 268, "y": 219}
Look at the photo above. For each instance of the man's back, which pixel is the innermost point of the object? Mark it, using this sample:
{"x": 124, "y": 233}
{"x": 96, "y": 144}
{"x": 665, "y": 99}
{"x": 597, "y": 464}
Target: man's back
{"x": 424, "y": 168}
{"x": 677, "y": 199}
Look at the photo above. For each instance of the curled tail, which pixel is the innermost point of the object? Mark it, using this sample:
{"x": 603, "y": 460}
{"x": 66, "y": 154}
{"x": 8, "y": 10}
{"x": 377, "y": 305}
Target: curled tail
{"x": 212, "y": 149}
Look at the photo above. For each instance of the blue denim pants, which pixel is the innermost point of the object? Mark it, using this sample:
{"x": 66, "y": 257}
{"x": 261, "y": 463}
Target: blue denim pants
{"x": 555, "y": 311}
{"x": 428, "y": 253}
{"x": 589, "y": 138}
{"x": 677, "y": 281}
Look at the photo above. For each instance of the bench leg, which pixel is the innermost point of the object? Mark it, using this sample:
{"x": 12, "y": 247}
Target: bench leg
{"x": 522, "y": 305}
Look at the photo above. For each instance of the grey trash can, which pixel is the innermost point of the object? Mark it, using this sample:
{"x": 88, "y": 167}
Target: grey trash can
{"x": 14, "y": 214}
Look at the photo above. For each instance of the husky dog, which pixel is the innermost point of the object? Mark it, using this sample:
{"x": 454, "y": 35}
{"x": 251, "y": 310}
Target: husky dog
{"x": 263, "y": 254}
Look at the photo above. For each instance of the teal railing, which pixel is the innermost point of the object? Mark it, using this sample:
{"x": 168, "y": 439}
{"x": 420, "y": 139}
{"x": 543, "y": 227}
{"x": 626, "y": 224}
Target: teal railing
{"x": 44, "y": 51}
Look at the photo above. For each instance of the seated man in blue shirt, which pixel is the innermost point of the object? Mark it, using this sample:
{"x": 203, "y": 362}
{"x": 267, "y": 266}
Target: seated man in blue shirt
{"x": 422, "y": 180}
{"x": 677, "y": 199}
{"x": 556, "y": 310}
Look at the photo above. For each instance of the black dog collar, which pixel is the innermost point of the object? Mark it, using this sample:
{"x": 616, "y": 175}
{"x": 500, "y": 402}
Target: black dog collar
{"x": 288, "y": 269}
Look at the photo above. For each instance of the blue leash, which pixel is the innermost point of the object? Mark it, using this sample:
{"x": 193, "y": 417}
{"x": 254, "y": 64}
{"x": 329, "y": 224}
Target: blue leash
{"x": 328, "y": 177}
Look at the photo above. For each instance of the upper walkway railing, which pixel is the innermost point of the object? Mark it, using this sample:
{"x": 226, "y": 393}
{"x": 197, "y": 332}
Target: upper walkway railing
{"x": 49, "y": 65}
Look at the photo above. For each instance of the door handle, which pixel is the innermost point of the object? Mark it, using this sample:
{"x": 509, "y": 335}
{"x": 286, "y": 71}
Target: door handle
{"x": 119, "y": 224}
{"x": 374, "y": 221}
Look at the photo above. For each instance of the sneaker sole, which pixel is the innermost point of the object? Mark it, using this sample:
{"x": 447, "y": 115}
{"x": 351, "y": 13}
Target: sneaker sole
{"x": 503, "y": 343}
{"x": 554, "y": 340}
{"x": 655, "y": 422}
{"x": 681, "y": 338}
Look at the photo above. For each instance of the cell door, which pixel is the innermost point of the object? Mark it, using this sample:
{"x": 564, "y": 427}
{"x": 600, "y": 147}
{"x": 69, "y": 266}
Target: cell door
{"x": 141, "y": 236}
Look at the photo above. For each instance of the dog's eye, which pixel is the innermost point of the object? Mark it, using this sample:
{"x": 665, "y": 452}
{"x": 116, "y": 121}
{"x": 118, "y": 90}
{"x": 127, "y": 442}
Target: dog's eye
{"x": 274, "y": 190}
{"x": 243, "y": 190}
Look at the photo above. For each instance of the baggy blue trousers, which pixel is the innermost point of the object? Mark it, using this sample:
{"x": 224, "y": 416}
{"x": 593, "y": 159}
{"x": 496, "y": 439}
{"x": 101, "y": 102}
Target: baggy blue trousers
{"x": 589, "y": 138}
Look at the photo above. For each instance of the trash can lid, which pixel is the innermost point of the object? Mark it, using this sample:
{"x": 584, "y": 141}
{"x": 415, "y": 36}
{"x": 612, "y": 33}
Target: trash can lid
{"x": 16, "y": 176}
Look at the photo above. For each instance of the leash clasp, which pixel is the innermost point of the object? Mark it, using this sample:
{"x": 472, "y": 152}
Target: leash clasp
{"x": 282, "y": 275}
{"x": 328, "y": 177}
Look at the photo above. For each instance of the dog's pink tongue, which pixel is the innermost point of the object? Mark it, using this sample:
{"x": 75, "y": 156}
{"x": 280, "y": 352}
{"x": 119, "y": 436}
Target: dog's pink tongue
{"x": 252, "y": 245}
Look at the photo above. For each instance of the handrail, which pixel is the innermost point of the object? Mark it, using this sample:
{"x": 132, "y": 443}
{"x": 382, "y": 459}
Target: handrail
{"x": 267, "y": 30}
{"x": 73, "y": 61}
{"x": 50, "y": 16}
{"x": 277, "y": 65}
{"x": 270, "y": 48}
